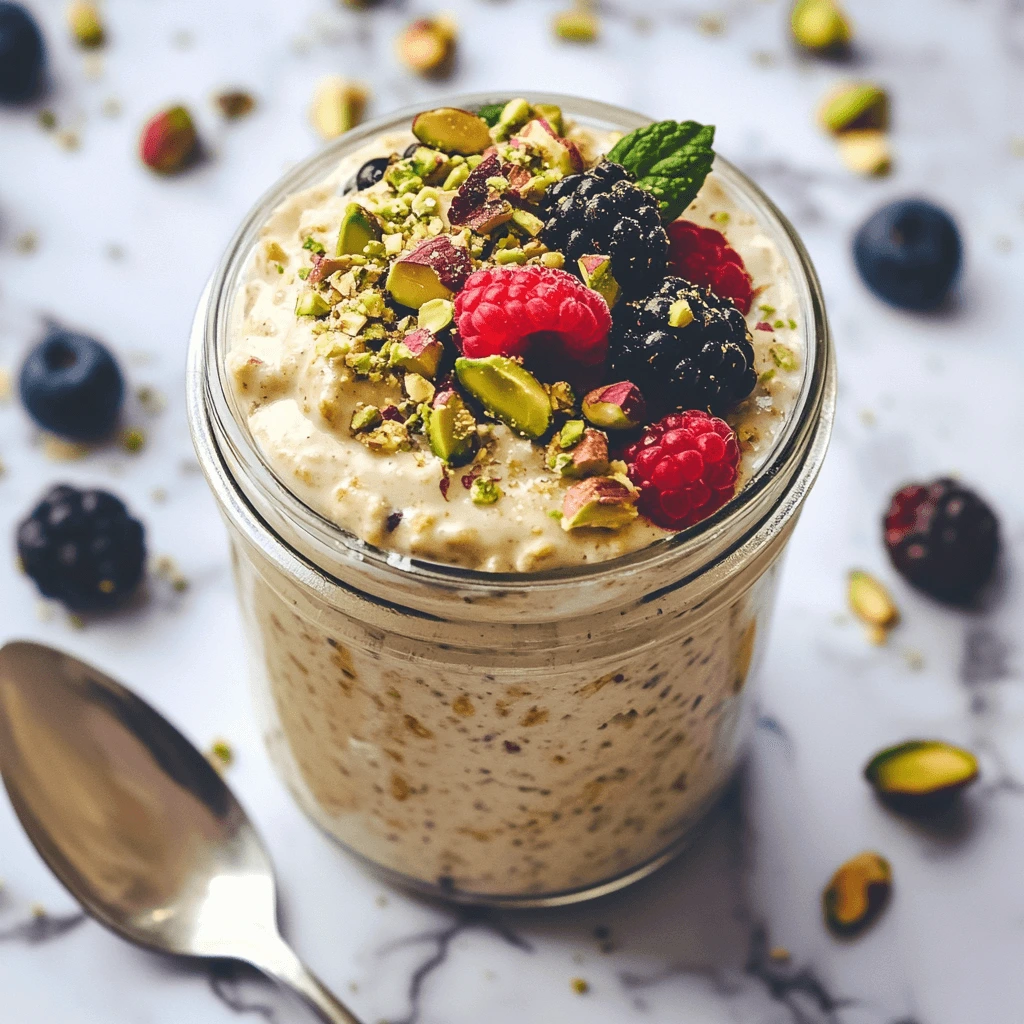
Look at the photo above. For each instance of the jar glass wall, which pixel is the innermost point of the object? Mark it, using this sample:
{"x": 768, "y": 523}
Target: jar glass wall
{"x": 520, "y": 739}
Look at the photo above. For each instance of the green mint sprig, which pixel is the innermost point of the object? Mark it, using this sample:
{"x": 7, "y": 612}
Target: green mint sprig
{"x": 491, "y": 113}
{"x": 671, "y": 159}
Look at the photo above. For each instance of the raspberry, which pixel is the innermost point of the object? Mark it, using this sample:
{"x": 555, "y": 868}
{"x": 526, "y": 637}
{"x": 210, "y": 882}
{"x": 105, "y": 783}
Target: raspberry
{"x": 703, "y": 256}
{"x": 685, "y": 468}
{"x": 540, "y": 314}
{"x": 943, "y": 539}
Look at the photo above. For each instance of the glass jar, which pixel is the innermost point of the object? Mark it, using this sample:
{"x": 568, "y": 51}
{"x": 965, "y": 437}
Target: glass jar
{"x": 513, "y": 739}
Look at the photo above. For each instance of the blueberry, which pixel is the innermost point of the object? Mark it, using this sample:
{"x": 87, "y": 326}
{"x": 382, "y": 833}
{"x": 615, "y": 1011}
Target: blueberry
{"x": 21, "y": 54}
{"x": 411, "y": 150}
{"x": 71, "y": 385}
{"x": 909, "y": 253}
{"x": 371, "y": 172}
{"x": 82, "y": 548}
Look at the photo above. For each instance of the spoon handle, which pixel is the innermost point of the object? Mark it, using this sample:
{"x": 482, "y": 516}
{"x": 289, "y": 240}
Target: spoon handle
{"x": 287, "y": 969}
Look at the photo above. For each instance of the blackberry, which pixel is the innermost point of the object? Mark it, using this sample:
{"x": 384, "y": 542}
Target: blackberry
{"x": 943, "y": 539}
{"x": 603, "y": 212}
{"x": 706, "y": 364}
{"x": 82, "y": 548}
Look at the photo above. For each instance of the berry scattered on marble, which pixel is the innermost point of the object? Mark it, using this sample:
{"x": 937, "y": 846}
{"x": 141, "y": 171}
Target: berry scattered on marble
{"x": 685, "y": 467}
{"x": 909, "y": 254}
{"x": 82, "y": 548}
{"x": 704, "y": 256}
{"x": 943, "y": 538}
{"x": 684, "y": 347}
{"x": 72, "y": 386}
{"x": 22, "y": 54}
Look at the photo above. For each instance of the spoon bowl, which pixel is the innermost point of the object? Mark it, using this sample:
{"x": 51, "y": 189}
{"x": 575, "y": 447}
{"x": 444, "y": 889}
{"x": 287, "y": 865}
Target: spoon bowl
{"x": 136, "y": 823}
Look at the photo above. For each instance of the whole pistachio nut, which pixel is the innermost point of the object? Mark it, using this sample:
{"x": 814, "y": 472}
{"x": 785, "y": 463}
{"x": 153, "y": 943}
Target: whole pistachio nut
{"x": 577, "y": 26}
{"x": 427, "y": 46}
{"x": 853, "y": 106}
{"x": 820, "y": 25}
{"x": 870, "y": 601}
{"x": 856, "y": 894}
{"x": 598, "y": 501}
{"x": 451, "y": 429}
{"x": 169, "y": 142}
{"x": 866, "y": 151}
{"x": 618, "y": 406}
{"x": 452, "y": 130}
{"x": 338, "y": 106}
{"x": 921, "y": 776}
{"x": 85, "y": 23}
{"x": 507, "y": 391}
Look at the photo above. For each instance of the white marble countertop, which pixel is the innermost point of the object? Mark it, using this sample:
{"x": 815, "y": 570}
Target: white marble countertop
{"x": 124, "y": 255}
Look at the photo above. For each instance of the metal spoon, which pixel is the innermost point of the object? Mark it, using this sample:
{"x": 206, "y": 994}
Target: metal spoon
{"x": 136, "y": 824}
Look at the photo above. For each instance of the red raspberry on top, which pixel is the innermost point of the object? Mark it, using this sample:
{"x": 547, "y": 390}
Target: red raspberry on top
{"x": 685, "y": 468}
{"x": 703, "y": 256}
{"x": 538, "y": 313}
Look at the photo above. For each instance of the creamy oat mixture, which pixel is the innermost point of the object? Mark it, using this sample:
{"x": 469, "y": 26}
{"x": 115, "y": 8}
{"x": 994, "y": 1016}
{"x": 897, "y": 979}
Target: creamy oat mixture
{"x": 301, "y": 388}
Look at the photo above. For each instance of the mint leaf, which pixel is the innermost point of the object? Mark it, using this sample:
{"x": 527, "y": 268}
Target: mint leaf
{"x": 671, "y": 159}
{"x": 491, "y": 113}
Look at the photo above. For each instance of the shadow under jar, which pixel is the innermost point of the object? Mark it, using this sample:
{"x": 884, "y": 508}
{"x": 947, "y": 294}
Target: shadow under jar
{"x": 514, "y": 739}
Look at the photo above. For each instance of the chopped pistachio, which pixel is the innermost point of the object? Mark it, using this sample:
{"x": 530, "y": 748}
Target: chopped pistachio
{"x": 365, "y": 418}
{"x": 870, "y": 601}
{"x": 577, "y": 26}
{"x": 484, "y": 491}
{"x": 680, "y": 314}
{"x": 784, "y": 357}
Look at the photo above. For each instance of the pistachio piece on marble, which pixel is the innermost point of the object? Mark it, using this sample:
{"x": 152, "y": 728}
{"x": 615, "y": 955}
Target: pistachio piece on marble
{"x": 921, "y": 776}
{"x": 820, "y": 25}
{"x": 857, "y": 893}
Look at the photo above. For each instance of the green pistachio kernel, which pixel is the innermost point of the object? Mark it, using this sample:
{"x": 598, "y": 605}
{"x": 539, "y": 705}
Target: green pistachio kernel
{"x": 784, "y": 357}
{"x": 312, "y": 304}
{"x": 857, "y": 894}
{"x": 484, "y": 491}
{"x": 571, "y": 433}
{"x": 456, "y": 177}
{"x": 365, "y": 418}
{"x": 680, "y": 314}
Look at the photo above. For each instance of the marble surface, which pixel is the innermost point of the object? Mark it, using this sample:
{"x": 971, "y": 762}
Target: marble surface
{"x": 124, "y": 255}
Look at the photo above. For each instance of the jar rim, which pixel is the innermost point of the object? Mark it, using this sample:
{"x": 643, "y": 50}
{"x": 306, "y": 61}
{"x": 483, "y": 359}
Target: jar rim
{"x": 795, "y": 456}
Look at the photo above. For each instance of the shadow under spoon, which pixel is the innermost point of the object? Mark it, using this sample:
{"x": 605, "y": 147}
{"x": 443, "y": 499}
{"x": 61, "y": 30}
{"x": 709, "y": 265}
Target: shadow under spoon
{"x": 136, "y": 823}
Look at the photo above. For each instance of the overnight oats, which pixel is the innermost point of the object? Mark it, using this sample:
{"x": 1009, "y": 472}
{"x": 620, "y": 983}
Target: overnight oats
{"x": 510, "y": 408}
